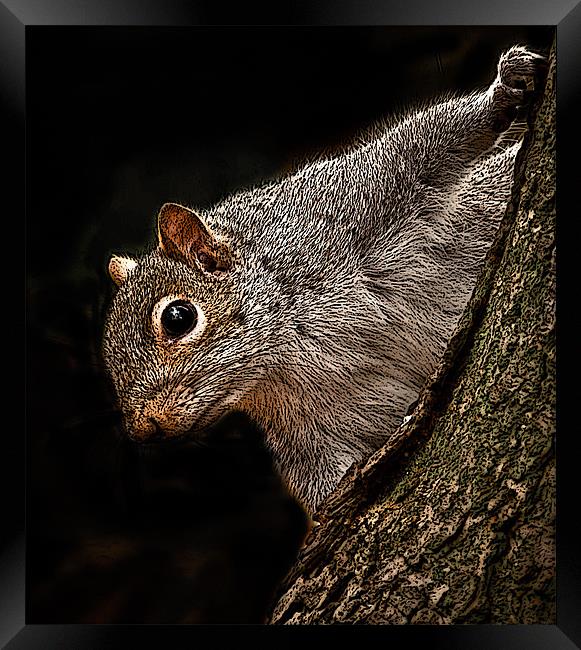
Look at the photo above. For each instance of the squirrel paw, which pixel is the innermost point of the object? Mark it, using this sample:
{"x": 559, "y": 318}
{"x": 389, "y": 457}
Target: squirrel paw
{"x": 519, "y": 72}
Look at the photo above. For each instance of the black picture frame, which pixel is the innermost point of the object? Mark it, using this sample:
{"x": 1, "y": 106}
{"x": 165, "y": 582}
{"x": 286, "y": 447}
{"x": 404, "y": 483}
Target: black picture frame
{"x": 15, "y": 17}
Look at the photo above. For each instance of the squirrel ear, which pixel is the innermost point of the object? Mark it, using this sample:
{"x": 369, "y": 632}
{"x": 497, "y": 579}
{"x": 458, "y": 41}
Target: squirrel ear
{"x": 120, "y": 267}
{"x": 183, "y": 235}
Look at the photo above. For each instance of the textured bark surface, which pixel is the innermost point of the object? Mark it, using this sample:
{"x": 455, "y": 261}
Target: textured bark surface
{"x": 453, "y": 521}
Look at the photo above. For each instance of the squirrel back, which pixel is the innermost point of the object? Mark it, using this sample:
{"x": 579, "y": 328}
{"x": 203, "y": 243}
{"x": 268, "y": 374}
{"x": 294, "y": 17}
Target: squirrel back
{"x": 319, "y": 303}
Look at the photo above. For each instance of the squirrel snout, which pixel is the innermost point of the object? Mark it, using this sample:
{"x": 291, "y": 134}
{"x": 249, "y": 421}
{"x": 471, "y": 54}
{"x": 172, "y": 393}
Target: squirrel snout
{"x": 148, "y": 426}
{"x": 145, "y": 428}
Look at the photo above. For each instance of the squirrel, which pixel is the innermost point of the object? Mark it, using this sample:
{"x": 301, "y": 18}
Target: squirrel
{"x": 318, "y": 303}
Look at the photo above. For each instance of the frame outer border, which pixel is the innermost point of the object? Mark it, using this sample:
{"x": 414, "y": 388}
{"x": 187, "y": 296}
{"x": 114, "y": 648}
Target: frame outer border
{"x": 565, "y": 15}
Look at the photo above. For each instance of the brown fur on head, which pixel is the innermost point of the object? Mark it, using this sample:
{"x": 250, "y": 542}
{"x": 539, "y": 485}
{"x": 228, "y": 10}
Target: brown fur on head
{"x": 166, "y": 384}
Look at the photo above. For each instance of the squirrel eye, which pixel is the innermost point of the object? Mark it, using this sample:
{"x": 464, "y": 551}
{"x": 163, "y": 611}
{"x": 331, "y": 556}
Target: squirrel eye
{"x": 178, "y": 318}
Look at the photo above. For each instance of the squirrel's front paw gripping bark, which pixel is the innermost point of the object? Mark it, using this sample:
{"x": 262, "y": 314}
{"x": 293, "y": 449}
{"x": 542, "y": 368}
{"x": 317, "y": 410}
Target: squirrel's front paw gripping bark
{"x": 519, "y": 74}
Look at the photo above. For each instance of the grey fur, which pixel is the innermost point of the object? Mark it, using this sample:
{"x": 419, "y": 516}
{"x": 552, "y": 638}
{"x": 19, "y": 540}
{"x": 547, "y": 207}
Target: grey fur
{"x": 349, "y": 278}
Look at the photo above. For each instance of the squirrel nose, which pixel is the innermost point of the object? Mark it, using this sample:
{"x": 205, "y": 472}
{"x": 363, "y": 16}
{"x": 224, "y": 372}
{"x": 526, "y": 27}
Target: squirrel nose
{"x": 155, "y": 422}
{"x": 145, "y": 428}
{"x": 158, "y": 432}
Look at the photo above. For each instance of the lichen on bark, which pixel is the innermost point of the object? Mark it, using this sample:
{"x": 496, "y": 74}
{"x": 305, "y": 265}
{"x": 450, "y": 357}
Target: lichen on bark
{"x": 453, "y": 521}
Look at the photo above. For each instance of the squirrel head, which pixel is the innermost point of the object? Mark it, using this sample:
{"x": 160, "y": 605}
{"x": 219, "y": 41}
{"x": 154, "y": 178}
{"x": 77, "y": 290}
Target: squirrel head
{"x": 174, "y": 336}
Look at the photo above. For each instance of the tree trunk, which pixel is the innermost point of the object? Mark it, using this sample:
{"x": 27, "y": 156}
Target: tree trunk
{"x": 453, "y": 520}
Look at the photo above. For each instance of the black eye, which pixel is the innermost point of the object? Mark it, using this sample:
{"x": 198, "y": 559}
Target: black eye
{"x": 179, "y": 318}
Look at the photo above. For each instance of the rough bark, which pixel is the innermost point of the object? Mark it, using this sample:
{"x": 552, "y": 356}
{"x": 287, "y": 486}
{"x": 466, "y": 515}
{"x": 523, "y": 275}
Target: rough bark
{"x": 453, "y": 521}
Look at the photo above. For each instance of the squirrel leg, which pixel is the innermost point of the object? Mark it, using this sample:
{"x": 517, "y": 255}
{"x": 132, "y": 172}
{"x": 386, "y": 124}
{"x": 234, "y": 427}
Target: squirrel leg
{"x": 518, "y": 73}
{"x": 450, "y": 135}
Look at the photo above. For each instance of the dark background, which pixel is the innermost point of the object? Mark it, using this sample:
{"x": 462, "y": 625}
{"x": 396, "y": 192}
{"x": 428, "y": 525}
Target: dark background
{"x": 120, "y": 120}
